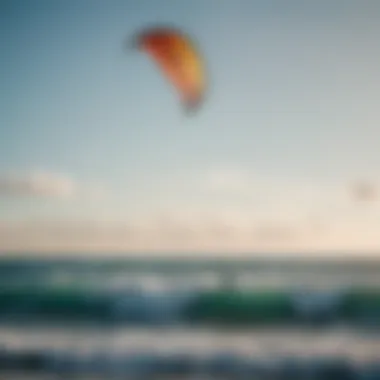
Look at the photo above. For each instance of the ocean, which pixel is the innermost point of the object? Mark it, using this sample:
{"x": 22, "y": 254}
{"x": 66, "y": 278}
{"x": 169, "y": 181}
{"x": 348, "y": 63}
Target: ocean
{"x": 166, "y": 318}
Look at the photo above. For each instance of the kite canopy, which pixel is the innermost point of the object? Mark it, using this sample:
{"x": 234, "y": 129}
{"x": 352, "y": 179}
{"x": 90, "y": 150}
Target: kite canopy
{"x": 178, "y": 59}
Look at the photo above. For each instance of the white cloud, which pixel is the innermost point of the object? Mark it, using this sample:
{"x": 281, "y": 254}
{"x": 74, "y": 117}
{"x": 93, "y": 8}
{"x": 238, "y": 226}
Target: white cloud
{"x": 38, "y": 184}
{"x": 275, "y": 216}
{"x": 275, "y": 232}
{"x": 44, "y": 184}
{"x": 207, "y": 236}
{"x": 228, "y": 178}
{"x": 364, "y": 191}
{"x": 160, "y": 234}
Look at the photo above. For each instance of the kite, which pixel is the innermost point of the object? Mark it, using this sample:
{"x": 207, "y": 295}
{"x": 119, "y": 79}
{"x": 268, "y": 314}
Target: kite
{"x": 179, "y": 61}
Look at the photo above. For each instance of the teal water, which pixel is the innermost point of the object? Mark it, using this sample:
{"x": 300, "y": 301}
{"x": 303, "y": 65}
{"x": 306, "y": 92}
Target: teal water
{"x": 187, "y": 291}
{"x": 61, "y": 315}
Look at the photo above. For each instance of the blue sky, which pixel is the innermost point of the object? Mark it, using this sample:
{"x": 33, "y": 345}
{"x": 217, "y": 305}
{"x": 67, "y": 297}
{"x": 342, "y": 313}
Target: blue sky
{"x": 94, "y": 134}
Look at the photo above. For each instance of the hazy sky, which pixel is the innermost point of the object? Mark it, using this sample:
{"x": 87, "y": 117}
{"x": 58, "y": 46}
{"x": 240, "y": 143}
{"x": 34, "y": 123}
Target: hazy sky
{"x": 96, "y": 154}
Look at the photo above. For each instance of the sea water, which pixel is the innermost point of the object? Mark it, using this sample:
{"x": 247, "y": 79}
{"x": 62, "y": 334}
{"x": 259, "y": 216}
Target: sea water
{"x": 122, "y": 317}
